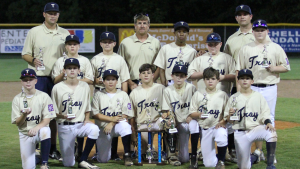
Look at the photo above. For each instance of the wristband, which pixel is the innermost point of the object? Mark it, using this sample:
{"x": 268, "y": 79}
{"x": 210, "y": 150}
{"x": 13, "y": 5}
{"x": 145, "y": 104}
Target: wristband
{"x": 267, "y": 121}
{"x": 33, "y": 60}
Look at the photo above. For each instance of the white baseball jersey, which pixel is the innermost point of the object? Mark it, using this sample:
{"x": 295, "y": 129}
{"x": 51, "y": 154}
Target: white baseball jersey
{"x": 85, "y": 68}
{"x": 147, "y": 99}
{"x": 253, "y": 110}
{"x": 51, "y": 42}
{"x": 178, "y": 103}
{"x": 41, "y": 107}
{"x": 216, "y": 103}
{"x": 81, "y": 100}
{"x": 222, "y": 62}
{"x": 137, "y": 53}
{"x": 119, "y": 103}
{"x": 102, "y": 62}
{"x": 251, "y": 57}
{"x": 171, "y": 54}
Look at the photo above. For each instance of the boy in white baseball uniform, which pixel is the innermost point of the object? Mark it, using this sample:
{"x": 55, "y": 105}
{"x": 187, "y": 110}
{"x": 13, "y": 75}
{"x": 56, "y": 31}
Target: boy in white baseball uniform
{"x": 32, "y": 111}
{"x": 175, "y": 53}
{"x": 72, "y": 45}
{"x": 177, "y": 99}
{"x": 111, "y": 108}
{"x": 72, "y": 106}
{"x": 253, "y": 123}
{"x": 208, "y": 108}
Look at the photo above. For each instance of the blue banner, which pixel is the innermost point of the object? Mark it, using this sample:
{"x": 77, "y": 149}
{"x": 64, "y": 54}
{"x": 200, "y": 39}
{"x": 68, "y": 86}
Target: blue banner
{"x": 288, "y": 39}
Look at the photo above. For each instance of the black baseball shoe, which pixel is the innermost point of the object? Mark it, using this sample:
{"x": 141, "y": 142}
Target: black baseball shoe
{"x": 55, "y": 155}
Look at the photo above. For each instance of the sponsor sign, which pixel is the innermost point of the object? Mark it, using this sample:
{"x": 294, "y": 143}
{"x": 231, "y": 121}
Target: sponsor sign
{"x": 288, "y": 39}
{"x": 86, "y": 38}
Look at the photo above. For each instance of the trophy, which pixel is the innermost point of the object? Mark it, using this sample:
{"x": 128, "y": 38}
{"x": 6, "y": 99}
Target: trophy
{"x": 70, "y": 103}
{"x": 25, "y": 103}
{"x": 265, "y": 63}
{"x": 180, "y": 56}
{"x": 233, "y": 105}
{"x": 149, "y": 154}
{"x": 120, "y": 105}
{"x": 102, "y": 68}
{"x": 149, "y": 122}
{"x": 204, "y": 108}
{"x": 172, "y": 128}
{"x": 210, "y": 60}
{"x": 41, "y": 53}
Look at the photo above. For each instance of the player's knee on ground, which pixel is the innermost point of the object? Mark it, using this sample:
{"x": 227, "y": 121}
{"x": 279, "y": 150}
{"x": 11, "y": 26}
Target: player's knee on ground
{"x": 221, "y": 137}
{"x": 124, "y": 129}
{"x": 210, "y": 162}
{"x": 44, "y": 133}
{"x": 94, "y": 131}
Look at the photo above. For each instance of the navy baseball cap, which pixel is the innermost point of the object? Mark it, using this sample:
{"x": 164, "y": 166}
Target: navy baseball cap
{"x": 245, "y": 8}
{"x": 51, "y": 6}
{"x": 179, "y": 69}
{"x": 71, "y": 61}
{"x": 72, "y": 38}
{"x": 259, "y": 24}
{"x": 213, "y": 37}
{"x": 107, "y": 35}
{"x": 110, "y": 72}
{"x": 245, "y": 72}
{"x": 181, "y": 24}
{"x": 28, "y": 73}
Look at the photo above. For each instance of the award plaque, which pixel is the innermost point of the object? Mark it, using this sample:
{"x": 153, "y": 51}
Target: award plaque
{"x": 265, "y": 62}
{"x": 210, "y": 60}
{"x": 119, "y": 106}
{"x": 204, "y": 108}
{"x": 70, "y": 111}
{"x": 233, "y": 105}
{"x": 41, "y": 53}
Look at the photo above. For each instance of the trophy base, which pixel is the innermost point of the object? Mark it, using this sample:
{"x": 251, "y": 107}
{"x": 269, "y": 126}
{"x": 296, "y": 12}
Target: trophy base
{"x": 204, "y": 115}
{"x": 174, "y": 130}
{"x": 146, "y": 163}
{"x": 234, "y": 118}
{"x": 70, "y": 116}
{"x": 41, "y": 68}
{"x": 264, "y": 66}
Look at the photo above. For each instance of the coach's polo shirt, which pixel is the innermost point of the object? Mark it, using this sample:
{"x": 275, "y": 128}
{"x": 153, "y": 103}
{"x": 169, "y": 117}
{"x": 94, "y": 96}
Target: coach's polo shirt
{"x": 52, "y": 43}
{"x": 137, "y": 53}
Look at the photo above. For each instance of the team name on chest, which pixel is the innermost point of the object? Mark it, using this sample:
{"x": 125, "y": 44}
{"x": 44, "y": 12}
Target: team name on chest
{"x": 80, "y": 75}
{"x": 106, "y": 113}
{"x": 76, "y": 103}
{"x": 177, "y": 105}
{"x": 254, "y": 115}
{"x": 254, "y": 62}
{"x": 34, "y": 118}
{"x": 214, "y": 112}
{"x": 100, "y": 71}
{"x": 142, "y": 105}
{"x": 171, "y": 61}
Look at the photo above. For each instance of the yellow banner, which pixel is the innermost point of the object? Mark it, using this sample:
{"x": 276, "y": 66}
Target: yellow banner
{"x": 196, "y": 37}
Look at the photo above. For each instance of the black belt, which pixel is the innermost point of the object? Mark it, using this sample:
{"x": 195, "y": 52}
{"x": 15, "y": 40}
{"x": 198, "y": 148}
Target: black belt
{"x": 262, "y": 85}
{"x": 241, "y": 130}
{"x": 97, "y": 88}
{"x": 69, "y": 123}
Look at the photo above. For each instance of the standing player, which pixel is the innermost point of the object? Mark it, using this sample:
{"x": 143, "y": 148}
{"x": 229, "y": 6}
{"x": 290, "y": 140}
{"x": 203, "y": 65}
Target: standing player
{"x": 72, "y": 44}
{"x": 32, "y": 111}
{"x": 254, "y": 121}
{"x": 72, "y": 106}
{"x": 177, "y": 99}
{"x": 211, "y": 102}
{"x": 44, "y": 44}
{"x": 139, "y": 49}
{"x": 252, "y": 57}
{"x": 109, "y": 108}
{"x": 175, "y": 53}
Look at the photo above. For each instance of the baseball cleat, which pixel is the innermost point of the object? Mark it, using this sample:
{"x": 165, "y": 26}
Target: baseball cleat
{"x": 45, "y": 166}
{"x": 258, "y": 153}
{"x": 37, "y": 152}
{"x": 229, "y": 158}
{"x": 94, "y": 158}
{"x": 262, "y": 156}
{"x": 271, "y": 167}
{"x": 55, "y": 155}
{"x": 127, "y": 159}
{"x": 84, "y": 164}
{"x": 115, "y": 157}
{"x": 275, "y": 161}
{"x": 220, "y": 165}
{"x": 173, "y": 160}
{"x": 199, "y": 154}
{"x": 193, "y": 161}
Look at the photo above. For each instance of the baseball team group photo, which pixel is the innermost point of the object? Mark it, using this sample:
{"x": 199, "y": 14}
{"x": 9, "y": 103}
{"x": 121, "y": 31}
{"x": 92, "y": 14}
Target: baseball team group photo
{"x": 226, "y": 101}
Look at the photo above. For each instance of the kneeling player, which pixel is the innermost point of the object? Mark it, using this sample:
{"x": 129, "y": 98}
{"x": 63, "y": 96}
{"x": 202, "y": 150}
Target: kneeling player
{"x": 72, "y": 106}
{"x": 208, "y": 107}
{"x": 177, "y": 98}
{"x": 110, "y": 109}
{"x": 32, "y": 111}
{"x": 253, "y": 121}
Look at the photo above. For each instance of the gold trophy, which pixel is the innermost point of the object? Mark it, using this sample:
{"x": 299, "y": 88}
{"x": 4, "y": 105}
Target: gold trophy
{"x": 233, "y": 105}
{"x": 70, "y": 104}
{"x": 210, "y": 60}
{"x": 204, "y": 108}
{"x": 102, "y": 68}
{"x": 41, "y": 53}
{"x": 265, "y": 62}
{"x": 120, "y": 106}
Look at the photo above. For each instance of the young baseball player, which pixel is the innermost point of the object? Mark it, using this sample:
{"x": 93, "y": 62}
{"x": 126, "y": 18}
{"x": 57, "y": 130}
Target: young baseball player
{"x": 254, "y": 121}
{"x": 208, "y": 108}
{"x": 175, "y": 53}
{"x": 177, "y": 99}
{"x": 72, "y": 106}
{"x": 111, "y": 108}
{"x": 266, "y": 74}
{"x": 72, "y": 45}
{"x": 43, "y": 45}
{"x": 32, "y": 111}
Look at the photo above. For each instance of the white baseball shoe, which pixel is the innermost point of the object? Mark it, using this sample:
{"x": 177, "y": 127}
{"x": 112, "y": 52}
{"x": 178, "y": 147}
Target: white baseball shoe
{"x": 84, "y": 164}
{"x": 45, "y": 166}
{"x": 258, "y": 153}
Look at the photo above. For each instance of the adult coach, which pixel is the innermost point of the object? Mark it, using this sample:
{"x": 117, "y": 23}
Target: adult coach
{"x": 46, "y": 42}
{"x": 139, "y": 49}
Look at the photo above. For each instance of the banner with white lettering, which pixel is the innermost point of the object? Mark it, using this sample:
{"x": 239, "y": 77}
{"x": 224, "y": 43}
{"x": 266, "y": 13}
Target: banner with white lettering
{"x": 288, "y": 39}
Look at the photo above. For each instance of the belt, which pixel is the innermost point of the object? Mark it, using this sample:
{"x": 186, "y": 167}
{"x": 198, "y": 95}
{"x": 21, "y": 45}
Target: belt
{"x": 241, "y": 130}
{"x": 262, "y": 85}
{"x": 69, "y": 123}
{"x": 97, "y": 88}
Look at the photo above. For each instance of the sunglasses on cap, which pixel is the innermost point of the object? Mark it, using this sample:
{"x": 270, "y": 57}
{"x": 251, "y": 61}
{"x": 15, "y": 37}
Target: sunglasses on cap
{"x": 215, "y": 38}
{"x": 260, "y": 25}
{"x": 140, "y": 14}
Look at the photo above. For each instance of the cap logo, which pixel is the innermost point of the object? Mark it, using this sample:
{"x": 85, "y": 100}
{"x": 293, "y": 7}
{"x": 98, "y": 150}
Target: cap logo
{"x": 72, "y": 36}
{"x": 107, "y": 34}
{"x": 53, "y": 5}
{"x": 181, "y": 23}
{"x": 245, "y": 70}
{"x": 109, "y": 71}
{"x": 242, "y": 6}
{"x": 27, "y": 70}
{"x": 212, "y": 36}
{"x": 180, "y": 67}
{"x": 259, "y": 22}
{"x": 71, "y": 60}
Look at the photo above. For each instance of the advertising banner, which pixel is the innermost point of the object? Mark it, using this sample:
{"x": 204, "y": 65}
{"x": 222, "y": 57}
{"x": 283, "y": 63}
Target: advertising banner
{"x": 288, "y": 39}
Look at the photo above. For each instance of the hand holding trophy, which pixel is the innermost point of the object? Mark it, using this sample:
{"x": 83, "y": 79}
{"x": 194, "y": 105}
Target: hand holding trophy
{"x": 233, "y": 105}
{"x": 204, "y": 108}
{"x": 25, "y": 103}
{"x": 40, "y": 57}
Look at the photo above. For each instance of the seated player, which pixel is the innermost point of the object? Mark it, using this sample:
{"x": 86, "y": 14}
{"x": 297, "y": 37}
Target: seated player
{"x": 71, "y": 100}
{"x": 177, "y": 99}
{"x": 211, "y": 102}
{"x": 32, "y": 111}
{"x": 254, "y": 121}
{"x": 111, "y": 108}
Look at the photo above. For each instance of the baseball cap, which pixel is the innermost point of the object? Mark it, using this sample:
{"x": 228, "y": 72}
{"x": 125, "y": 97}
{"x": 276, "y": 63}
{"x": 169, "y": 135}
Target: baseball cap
{"x": 28, "y": 73}
{"x": 72, "y": 38}
{"x": 181, "y": 24}
{"x": 259, "y": 23}
{"x": 245, "y": 72}
{"x": 245, "y": 8}
{"x": 107, "y": 35}
{"x": 51, "y": 6}
{"x": 213, "y": 37}
{"x": 71, "y": 61}
{"x": 179, "y": 69}
{"x": 110, "y": 72}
